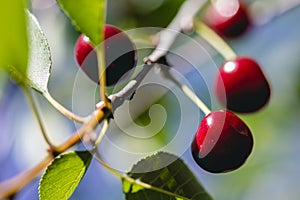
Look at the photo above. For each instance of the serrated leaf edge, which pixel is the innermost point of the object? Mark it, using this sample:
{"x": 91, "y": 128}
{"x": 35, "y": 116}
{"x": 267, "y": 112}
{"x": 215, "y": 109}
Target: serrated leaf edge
{"x": 53, "y": 162}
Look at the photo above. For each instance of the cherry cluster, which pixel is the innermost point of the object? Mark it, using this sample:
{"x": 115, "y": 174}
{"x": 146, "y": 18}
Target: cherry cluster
{"x": 223, "y": 141}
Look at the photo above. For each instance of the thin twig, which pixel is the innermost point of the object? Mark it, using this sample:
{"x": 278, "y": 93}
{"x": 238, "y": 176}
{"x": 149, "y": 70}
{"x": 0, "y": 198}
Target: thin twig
{"x": 35, "y": 111}
{"x": 102, "y": 132}
{"x": 63, "y": 109}
{"x": 186, "y": 90}
{"x": 126, "y": 93}
{"x": 214, "y": 40}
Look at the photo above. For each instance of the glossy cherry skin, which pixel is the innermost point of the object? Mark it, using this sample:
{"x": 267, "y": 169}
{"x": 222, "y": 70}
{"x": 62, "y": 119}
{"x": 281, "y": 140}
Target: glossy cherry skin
{"x": 229, "y": 22}
{"x": 120, "y": 55}
{"x": 222, "y": 142}
{"x": 241, "y": 85}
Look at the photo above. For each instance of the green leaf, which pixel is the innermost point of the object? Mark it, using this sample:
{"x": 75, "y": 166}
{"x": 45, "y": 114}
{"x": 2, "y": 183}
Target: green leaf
{"x": 63, "y": 175}
{"x": 13, "y": 38}
{"x": 88, "y": 17}
{"x": 39, "y": 64}
{"x": 166, "y": 172}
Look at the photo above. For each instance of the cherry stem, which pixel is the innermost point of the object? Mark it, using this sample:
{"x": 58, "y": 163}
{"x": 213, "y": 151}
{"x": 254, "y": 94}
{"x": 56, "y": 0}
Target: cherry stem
{"x": 101, "y": 72}
{"x": 195, "y": 99}
{"x": 102, "y": 133}
{"x": 62, "y": 109}
{"x": 186, "y": 90}
{"x": 100, "y": 50}
{"x": 215, "y": 40}
{"x": 37, "y": 115}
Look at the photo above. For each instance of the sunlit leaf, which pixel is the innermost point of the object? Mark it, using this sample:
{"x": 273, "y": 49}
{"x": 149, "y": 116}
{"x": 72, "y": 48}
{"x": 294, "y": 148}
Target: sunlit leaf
{"x": 13, "y": 38}
{"x": 39, "y": 64}
{"x": 166, "y": 172}
{"x": 87, "y": 16}
{"x": 63, "y": 175}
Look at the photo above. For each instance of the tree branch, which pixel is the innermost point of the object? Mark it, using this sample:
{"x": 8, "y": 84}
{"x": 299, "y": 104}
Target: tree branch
{"x": 16, "y": 183}
{"x": 13, "y": 185}
{"x": 126, "y": 93}
{"x": 183, "y": 21}
{"x": 97, "y": 117}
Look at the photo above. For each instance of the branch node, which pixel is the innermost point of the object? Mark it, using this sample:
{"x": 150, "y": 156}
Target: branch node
{"x": 148, "y": 61}
{"x": 54, "y": 153}
{"x": 107, "y": 111}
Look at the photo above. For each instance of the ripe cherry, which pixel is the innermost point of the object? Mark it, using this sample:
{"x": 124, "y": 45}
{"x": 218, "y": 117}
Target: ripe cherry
{"x": 228, "y": 19}
{"x": 241, "y": 85}
{"x": 120, "y": 55}
{"x": 222, "y": 142}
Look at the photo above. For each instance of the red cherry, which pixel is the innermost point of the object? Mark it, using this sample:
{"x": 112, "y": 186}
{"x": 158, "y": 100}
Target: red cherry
{"x": 228, "y": 20}
{"x": 120, "y": 55}
{"x": 82, "y": 48}
{"x": 241, "y": 85}
{"x": 222, "y": 143}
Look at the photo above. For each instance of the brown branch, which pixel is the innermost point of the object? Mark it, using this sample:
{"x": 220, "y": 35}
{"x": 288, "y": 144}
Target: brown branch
{"x": 13, "y": 185}
{"x": 99, "y": 114}
{"x": 16, "y": 183}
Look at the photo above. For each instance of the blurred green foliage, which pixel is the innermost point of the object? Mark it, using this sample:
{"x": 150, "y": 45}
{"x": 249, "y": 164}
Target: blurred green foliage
{"x": 142, "y": 13}
{"x": 13, "y": 36}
